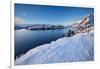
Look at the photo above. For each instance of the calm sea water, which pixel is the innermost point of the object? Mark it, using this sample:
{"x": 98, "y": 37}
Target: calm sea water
{"x": 28, "y": 39}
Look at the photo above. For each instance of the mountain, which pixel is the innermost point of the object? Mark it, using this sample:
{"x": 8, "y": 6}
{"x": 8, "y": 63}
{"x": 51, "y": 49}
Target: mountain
{"x": 44, "y": 27}
{"x": 67, "y": 49}
{"x": 89, "y": 19}
{"x": 21, "y": 26}
{"x": 79, "y": 47}
{"x": 38, "y": 26}
{"x": 86, "y": 24}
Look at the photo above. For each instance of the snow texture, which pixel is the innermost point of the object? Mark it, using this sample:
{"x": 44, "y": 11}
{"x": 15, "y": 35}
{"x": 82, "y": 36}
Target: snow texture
{"x": 79, "y": 47}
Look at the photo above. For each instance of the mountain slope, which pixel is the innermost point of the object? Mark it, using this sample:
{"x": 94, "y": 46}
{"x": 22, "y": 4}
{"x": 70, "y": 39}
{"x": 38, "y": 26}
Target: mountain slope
{"x": 89, "y": 19}
{"x": 85, "y": 25}
{"x": 79, "y": 47}
{"x": 67, "y": 49}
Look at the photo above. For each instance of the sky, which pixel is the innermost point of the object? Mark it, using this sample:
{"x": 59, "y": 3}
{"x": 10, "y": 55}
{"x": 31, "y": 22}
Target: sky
{"x": 46, "y": 14}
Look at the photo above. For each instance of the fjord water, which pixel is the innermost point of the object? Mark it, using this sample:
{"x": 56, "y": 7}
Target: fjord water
{"x": 28, "y": 39}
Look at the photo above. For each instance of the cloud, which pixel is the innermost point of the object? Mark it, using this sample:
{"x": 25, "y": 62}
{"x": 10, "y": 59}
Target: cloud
{"x": 18, "y": 20}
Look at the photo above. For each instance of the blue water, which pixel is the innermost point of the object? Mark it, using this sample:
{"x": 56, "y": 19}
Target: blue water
{"x": 28, "y": 39}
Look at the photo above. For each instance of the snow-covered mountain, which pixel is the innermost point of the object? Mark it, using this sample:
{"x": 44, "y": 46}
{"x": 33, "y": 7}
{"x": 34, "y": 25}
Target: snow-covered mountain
{"x": 89, "y": 19}
{"x": 79, "y": 47}
{"x": 21, "y": 26}
{"x": 44, "y": 27}
{"x": 86, "y": 24}
{"x": 67, "y": 49}
{"x": 38, "y": 26}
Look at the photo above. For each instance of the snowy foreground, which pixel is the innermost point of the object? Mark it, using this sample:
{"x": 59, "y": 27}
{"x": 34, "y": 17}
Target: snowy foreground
{"x": 79, "y": 47}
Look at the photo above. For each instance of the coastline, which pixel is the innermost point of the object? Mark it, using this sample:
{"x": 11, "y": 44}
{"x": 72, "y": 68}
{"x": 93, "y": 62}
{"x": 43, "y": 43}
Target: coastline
{"x": 78, "y": 48}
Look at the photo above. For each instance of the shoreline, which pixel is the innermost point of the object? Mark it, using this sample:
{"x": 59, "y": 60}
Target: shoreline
{"x": 45, "y": 47}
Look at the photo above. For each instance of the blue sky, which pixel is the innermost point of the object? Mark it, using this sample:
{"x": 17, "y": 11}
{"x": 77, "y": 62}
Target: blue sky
{"x": 44, "y": 14}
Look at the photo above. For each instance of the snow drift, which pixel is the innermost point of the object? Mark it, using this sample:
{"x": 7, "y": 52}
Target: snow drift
{"x": 79, "y": 47}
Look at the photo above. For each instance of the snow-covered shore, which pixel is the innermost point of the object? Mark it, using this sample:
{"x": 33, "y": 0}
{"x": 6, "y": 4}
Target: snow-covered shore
{"x": 79, "y": 47}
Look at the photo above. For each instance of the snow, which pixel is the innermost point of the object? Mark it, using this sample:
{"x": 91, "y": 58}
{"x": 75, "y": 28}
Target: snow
{"x": 79, "y": 47}
{"x": 44, "y": 26}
